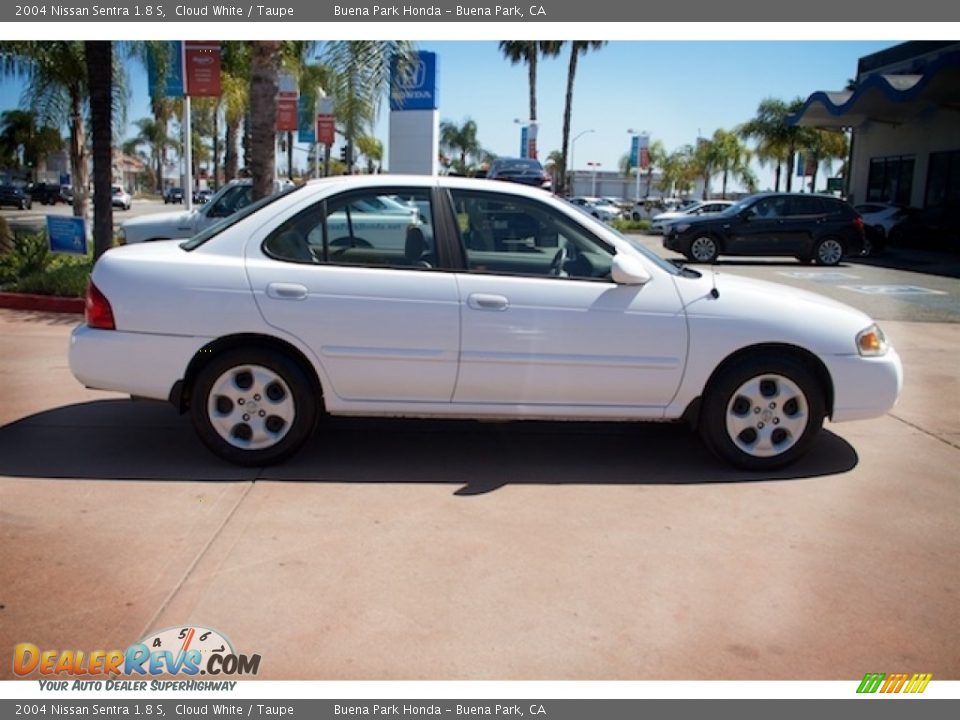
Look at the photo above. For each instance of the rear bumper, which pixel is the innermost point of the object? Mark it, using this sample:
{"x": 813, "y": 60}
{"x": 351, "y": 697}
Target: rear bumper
{"x": 139, "y": 364}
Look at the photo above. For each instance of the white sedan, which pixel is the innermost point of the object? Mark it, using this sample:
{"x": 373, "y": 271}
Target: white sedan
{"x": 494, "y": 301}
{"x": 660, "y": 221}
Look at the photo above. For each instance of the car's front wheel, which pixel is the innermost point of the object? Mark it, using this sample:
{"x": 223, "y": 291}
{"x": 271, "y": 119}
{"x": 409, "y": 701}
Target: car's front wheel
{"x": 253, "y": 406}
{"x": 704, "y": 249}
{"x": 762, "y": 414}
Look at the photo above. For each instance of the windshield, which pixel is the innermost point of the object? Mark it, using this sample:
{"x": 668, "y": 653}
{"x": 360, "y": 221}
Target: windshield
{"x": 740, "y": 206}
{"x": 218, "y": 227}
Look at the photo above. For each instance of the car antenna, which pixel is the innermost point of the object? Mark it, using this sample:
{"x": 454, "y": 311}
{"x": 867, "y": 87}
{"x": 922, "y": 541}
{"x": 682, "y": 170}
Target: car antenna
{"x": 714, "y": 293}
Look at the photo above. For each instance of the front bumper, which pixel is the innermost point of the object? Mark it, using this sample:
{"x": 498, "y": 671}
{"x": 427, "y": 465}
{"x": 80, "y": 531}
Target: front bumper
{"x": 864, "y": 387}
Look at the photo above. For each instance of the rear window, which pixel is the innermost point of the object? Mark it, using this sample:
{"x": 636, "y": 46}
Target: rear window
{"x": 217, "y": 228}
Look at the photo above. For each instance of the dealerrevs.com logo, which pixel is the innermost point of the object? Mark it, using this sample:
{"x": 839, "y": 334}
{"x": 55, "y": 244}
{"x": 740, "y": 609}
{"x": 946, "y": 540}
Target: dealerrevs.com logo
{"x": 184, "y": 651}
{"x": 894, "y": 683}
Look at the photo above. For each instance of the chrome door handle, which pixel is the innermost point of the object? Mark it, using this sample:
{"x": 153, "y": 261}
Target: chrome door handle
{"x": 286, "y": 291}
{"x": 482, "y": 301}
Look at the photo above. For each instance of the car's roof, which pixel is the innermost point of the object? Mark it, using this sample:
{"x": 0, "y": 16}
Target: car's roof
{"x": 416, "y": 181}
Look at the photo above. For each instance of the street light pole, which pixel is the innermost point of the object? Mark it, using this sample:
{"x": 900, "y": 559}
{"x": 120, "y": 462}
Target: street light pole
{"x": 573, "y": 147}
{"x": 593, "y": 188}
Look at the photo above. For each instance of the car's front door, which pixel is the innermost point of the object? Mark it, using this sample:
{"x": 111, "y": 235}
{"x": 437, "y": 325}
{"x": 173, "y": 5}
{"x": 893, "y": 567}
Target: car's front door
{"x": 361, "y": 289}
{"x": 756, "y": 231}
{"x": 542, "y": 322}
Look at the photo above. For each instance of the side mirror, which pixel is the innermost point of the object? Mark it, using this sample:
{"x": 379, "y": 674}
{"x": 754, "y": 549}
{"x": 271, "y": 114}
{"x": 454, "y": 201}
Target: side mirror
{"x": 628, "y": 270}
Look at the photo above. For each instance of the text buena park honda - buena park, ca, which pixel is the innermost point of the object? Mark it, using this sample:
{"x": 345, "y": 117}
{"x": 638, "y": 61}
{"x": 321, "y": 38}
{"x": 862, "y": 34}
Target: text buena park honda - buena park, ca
{"x": 432, "y": 10}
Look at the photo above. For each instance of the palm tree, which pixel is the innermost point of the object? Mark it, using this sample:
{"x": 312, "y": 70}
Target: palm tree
{"x": 577, "y": 48}
{"x": 461, "y": 140}
{"x": 372, "y": 150}
{"x": 99, "y": 55}
{"x": 57, "y": 88}
{"x": 264, "y": 68}
{"x": 527, "y": 52}
{"x": 732, "y": 158}
{"x": 361, "y": 79}
{"x": 657, "y": 156}
{"x": 19, "y": 131}
{"x": 234, "y": 98}
{"x": 776, "y": 139}
{"x": 705, "y": 159}
{"x": 154, "y": 135}
{"x": 156, "y": 57}
{"x": 678, "y": 171}
{"x": 823, "y": 147}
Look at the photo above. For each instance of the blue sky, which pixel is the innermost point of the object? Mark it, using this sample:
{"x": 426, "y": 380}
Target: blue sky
{"x": 674, "y": 89}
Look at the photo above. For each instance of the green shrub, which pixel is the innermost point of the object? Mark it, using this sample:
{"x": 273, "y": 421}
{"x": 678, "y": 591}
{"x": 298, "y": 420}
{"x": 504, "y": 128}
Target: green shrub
{"x": 30, "y": 267}
{"x": 631, "y": 225}
{"x": 66, "y": 279}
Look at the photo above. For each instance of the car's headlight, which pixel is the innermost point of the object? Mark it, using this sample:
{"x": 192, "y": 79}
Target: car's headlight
{"x": 683, "y": 227}
{"x": 872, "y": 342}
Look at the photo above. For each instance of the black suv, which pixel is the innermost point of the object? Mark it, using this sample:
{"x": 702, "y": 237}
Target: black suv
{"x": 520, "y": 170}
{"x": 808, "y": 227}
{"x": 45, "y": 194}
{"x": 15, "y": 196}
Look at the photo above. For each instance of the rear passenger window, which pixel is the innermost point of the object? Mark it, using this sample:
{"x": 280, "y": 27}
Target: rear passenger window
{"x": 369, "y": 228}
{"x": 800, "y": 205}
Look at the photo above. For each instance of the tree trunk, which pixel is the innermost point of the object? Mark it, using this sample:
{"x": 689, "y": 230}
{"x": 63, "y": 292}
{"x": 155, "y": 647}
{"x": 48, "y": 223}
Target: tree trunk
{"x": 532, "y": 74}
{"x": 99, "y": 57}
{"x": 791, "y": 158}
{"x": 776, "y": 182}
{"x": 216, "y": 144}
{"x": 230, "y": 151}
{"x": 78, "y": 156}
{"x": 567, "y": 112}
{"x": 723, "y": 194}
{"x": 290, "y": 154}
{"x": 264, "y": 67}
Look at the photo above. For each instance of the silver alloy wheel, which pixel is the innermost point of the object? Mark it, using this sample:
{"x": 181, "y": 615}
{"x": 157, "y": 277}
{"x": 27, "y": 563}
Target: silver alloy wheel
{"x": 703, "y": 249}
{"x": 251, "y": 407}
{"x": 767, "y": 415}
{"x": 829, "y": 252}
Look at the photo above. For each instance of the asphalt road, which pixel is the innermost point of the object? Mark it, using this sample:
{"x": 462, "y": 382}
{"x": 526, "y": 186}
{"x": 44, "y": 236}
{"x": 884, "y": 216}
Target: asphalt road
{"x": 455, "y": 550}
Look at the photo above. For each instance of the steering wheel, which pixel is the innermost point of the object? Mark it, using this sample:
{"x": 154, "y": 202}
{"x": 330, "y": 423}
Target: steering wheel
{"x": 556, "y": 265}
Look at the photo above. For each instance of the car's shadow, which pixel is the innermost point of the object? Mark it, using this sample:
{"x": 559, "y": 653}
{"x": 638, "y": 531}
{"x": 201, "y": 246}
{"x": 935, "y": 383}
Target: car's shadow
{"x": 139, "y": 440}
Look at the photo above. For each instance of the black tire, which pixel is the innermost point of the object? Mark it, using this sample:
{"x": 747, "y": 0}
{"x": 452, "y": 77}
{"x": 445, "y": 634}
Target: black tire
{"x": 755, "y": 437}
{"x": 829, "y": 251}
{"x": 704, "y": 249}
{"x": 294, "y": 396}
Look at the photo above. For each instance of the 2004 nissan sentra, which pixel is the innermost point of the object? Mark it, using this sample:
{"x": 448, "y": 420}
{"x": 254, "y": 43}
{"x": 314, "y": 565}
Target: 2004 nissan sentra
{"x": 493, "y": 301}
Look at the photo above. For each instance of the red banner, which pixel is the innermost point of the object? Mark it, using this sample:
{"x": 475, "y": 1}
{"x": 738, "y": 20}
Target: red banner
{"x": 287, "y": 114}
{"x": 202, "y": 68}
{"x": 326, "y": 129}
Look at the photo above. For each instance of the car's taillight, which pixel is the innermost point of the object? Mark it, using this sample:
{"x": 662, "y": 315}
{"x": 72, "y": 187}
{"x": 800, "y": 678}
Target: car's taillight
{"x": 97, "y": 312}
{"x": 858, "y": 223}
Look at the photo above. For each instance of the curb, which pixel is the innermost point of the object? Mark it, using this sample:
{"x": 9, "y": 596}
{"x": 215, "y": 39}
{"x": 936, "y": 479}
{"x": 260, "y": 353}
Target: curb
{"x": 41, "y": 303}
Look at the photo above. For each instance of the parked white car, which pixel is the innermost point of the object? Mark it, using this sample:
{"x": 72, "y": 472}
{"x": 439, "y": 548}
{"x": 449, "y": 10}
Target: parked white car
{"x": 878, "y": 220}
{"x": 233, "y": 196}
{"x": 121, "y": 198}
{"x": 599, "y": 208}
{"x": 659, "y": 222}
{"x": 508, "y": 304}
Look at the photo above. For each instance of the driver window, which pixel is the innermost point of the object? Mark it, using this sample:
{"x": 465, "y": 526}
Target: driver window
{"x": 517, "y": 236}
{"x": 772, "y": 207}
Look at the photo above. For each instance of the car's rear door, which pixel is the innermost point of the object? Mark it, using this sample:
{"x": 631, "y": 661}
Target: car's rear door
{"x": 381, "y": 318}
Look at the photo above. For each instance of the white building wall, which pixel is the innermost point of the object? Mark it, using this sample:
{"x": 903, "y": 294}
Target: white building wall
{"x": 936, "y": 132}
{"x": 414, "y": 142}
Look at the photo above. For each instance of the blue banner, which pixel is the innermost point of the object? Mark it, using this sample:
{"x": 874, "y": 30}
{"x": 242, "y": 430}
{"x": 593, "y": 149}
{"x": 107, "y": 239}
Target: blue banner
{"x": 172, "y": 83}
{"x": 635, "y": 151}
{"x": 524, "y": 140}
{"x": 414, "y": 86}
{"x": 306, "y": 120}
{"x": 67, "y": 234}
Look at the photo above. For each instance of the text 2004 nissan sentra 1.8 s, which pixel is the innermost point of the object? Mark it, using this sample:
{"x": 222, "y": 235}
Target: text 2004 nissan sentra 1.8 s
{"x": 450, "y": 297}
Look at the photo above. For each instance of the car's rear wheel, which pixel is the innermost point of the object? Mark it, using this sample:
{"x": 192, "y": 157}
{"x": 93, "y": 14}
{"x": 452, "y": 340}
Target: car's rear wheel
{"x": 704, "y": 249}
{"x": 762, "y": 414}
{"x": 253, "y": 406}
{"x": 828, "y": 251}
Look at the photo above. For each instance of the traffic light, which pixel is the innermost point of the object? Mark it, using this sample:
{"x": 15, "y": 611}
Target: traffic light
{"x": 343, "y": 154}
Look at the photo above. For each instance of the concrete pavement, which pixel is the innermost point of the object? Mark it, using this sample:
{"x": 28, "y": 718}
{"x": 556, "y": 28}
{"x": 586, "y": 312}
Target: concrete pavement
{"x": 449, "y": 550}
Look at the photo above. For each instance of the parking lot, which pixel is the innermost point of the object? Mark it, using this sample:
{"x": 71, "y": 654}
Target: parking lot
{"x": 460, "y": 550}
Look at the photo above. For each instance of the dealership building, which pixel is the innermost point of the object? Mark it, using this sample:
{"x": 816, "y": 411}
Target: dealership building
{"x": 904, "y": 113}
